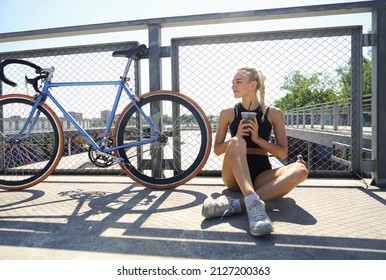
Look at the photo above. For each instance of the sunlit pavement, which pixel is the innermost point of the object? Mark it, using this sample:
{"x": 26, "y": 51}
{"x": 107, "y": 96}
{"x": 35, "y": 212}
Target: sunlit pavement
{"x": 111, "y": 217}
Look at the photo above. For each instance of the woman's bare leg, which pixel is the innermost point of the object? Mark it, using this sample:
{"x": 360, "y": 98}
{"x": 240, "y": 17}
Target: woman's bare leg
{"x": 235, "y": 171}
{"x": 270, "y": 184}
{"x": 236, "y": 175}
{"x": 273, "y": 184}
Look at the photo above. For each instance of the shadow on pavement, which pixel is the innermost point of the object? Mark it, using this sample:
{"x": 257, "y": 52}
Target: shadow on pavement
{"x": 119, "y": 223}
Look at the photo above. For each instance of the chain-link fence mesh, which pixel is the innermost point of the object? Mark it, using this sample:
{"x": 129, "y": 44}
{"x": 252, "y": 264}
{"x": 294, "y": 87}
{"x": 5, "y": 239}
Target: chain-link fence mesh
{"x": 90, "y": 106}
{"x": 303, "y": 67}
{"x": 305, "y": 70}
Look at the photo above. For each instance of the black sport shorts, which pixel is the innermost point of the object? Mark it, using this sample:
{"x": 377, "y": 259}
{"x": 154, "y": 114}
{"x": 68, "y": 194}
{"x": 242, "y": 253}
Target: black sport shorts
{"x": 257, "y": 164}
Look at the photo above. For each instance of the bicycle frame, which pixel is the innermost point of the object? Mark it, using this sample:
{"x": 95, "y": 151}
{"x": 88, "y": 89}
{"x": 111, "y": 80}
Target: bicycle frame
{"x": 152, "y": 133}
{"x": 122, "y": 86}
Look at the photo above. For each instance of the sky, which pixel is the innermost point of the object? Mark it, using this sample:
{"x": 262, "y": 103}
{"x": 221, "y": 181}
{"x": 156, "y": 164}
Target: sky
{"x": 19, "y": 15}
{"x": 23, "y": 15}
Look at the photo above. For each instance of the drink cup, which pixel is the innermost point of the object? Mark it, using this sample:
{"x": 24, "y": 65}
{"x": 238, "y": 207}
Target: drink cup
{"x": 248, "y": 116}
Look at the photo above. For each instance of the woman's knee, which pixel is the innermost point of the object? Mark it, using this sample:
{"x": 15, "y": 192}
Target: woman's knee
{"x": 237, "y": 145}
{"x": 300, "y": 170}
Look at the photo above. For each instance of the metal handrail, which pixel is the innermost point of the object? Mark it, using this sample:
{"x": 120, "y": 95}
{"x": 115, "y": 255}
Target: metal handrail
{"x": 329, "y": 114}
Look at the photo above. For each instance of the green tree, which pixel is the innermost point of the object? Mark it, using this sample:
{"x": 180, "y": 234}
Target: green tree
{"x": 15, "y": 118}
{"x": 304, "y": 91}
{"x": 344, "y": 74}
{"x": 167, "y": 119}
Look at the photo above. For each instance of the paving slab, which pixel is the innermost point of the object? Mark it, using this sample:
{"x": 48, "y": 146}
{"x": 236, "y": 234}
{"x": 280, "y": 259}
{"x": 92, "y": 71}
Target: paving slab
{"x": 111, "y": 217}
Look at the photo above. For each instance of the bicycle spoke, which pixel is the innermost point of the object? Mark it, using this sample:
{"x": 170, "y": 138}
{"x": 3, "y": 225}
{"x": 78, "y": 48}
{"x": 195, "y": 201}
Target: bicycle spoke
{"x": 182, "y": 147}
{"x": 27, "y": 157}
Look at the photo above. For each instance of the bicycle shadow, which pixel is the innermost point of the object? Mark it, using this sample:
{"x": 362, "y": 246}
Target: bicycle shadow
{"x": 85, "y": 220}
{"x": 135, "y": 199}
{"x": 35, "y": 194}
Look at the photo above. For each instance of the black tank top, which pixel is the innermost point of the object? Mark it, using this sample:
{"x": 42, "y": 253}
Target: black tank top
{"x": 265, "y": 127}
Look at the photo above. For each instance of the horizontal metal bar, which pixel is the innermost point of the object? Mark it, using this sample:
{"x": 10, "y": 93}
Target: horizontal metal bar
{"x": 368, "y": 40}
{"x": 165, "y": 52}
{"x": 214, "y": 18}
{"x": 341, "y": 161}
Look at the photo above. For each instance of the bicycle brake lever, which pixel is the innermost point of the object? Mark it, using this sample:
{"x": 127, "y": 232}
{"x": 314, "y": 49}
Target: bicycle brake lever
{"x": 34, "y": 81}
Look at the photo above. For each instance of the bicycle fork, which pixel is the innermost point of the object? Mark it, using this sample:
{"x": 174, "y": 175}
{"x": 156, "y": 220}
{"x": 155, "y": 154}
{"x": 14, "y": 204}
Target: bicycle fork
{"x": 31, "y": 121}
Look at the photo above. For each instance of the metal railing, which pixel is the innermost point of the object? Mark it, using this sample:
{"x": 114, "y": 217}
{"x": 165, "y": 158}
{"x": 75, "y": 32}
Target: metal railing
{"x": 214, "y": 59}
{"x": 327, "y": 128}
{"x": 193, "y": 61}
{"x": 333, "y": 115}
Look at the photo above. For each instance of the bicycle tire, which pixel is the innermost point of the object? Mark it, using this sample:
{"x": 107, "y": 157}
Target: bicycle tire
{"x": 187, "y": 132}
{"x": 30, "y": 159}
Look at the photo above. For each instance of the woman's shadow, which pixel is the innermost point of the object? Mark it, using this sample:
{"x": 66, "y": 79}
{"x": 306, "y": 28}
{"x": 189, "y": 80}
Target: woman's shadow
{"x": 286, "y": 210}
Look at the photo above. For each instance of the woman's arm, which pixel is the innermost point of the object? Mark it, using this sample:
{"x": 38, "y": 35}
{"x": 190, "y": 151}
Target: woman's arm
{"x": 224, "y": 120}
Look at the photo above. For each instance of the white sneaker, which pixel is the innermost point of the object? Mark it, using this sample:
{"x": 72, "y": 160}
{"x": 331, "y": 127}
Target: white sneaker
{"x": 259, "y": 222}
{"x": 219, "y": 207}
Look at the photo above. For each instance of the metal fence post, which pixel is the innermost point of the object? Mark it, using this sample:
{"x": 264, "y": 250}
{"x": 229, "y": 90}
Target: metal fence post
{"x": 155, "y": 84}
{"x": 336, "y": 116}
{"x": 379, "y": 97}
{"x": 356, "y": 102}
{"x": 155, "y": 73}
{"x": 312, "y": 117}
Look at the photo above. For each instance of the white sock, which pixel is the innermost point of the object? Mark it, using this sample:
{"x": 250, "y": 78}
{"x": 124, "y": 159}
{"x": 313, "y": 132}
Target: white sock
{"x": 251, "y": 198}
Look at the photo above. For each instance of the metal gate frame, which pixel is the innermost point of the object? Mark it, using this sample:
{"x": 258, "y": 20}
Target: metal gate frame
{"x": 354, "y": 32}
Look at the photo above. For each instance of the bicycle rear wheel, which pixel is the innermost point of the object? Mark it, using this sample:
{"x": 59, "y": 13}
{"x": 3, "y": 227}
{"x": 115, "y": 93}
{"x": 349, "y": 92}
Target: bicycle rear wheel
{"x": 30, "y": 157}
{"x": 181, "y": 150}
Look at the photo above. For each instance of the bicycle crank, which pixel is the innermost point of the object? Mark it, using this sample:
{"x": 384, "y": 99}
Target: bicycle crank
{"x": 102, "y": 159}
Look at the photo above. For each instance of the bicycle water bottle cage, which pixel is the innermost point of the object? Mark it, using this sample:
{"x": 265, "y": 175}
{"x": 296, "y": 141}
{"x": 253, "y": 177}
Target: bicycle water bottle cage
{"x": 135, "y": 53}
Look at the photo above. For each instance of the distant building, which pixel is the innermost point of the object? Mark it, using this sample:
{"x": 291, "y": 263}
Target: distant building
{"x": 77, "y": 116}
{"x": 105, "y": 116}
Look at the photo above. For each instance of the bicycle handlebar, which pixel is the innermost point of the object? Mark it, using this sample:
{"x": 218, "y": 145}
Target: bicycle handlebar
{"x": 43, "y": 73}
{"x": 4, "y": 63}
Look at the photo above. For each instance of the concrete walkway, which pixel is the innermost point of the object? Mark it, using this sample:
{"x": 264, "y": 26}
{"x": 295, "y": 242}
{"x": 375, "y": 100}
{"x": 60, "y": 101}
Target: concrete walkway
{"x": 110, "y": 217}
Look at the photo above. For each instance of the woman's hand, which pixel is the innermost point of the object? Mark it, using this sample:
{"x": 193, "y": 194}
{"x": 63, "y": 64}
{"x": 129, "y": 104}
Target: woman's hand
{"x": 301, "y": 160}
{"x": 254, "y": 130}
{"x": 243, "y": 129}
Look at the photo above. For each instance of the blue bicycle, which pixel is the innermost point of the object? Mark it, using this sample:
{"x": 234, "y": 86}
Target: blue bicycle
{"x": 161, "y": 139}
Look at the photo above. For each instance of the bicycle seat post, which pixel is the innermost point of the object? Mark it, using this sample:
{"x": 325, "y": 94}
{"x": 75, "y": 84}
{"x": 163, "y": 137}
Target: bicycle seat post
{"x": 126, "y": 72}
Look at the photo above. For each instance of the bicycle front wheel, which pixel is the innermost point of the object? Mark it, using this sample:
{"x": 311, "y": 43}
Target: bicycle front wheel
{"x": 29, "y": 152}
{"x": 183, "y": 145}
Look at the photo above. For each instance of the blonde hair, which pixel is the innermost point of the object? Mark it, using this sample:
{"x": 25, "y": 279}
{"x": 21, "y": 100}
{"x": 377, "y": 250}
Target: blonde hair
{"x": 258, "y": 76}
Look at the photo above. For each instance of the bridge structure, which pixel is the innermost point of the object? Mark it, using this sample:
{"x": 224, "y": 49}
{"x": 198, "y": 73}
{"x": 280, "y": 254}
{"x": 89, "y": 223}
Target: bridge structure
{"x": 329, "y": 125}
{"x": 350, "y": 137}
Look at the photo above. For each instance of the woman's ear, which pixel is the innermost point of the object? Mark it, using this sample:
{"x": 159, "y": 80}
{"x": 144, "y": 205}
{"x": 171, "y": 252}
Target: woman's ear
{"x": 254, "y": 84}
